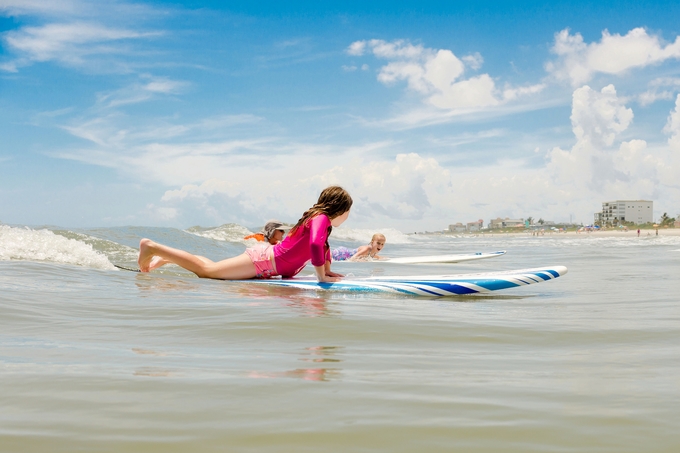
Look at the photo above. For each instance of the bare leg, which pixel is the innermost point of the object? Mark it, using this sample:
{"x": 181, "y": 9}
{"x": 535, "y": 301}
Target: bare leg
{"x": 239, "y": 267}
{"x": 157, "y": 261}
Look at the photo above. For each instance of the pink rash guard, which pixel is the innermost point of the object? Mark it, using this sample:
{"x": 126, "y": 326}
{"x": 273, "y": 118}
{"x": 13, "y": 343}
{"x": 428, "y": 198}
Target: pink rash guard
{"x": 309, "y": 242}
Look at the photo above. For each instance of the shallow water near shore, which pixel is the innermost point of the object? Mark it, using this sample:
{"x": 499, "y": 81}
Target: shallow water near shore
{"x": 97, "y": 359}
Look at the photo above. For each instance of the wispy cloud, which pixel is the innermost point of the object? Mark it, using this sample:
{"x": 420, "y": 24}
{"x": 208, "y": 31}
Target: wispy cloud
{"x": 41, "y": 7}
{"x": 70, "y": 44}
{"x": 148, "y": 87}
{"x": 662, "y": 88}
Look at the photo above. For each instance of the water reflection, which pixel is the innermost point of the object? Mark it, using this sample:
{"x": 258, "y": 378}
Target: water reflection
{"x": 147, "y": 283}
{"x": 154, "y": 372}
{"x": 317, "y": 354}
{"x": 309, "y": 304}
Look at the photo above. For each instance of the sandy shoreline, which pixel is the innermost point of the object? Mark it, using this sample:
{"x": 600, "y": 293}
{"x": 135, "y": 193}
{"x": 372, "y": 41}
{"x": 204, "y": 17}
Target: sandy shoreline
{"x": 606, "y": 233}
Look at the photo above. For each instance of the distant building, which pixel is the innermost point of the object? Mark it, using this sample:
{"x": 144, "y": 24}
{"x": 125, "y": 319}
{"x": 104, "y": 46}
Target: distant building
{"x": 506, "y": 223}
{"x": 457, "y": 228}
{"x": 598, "y": 218}
{"x": 620, "y": 211}
{"x": 475, "y": 226}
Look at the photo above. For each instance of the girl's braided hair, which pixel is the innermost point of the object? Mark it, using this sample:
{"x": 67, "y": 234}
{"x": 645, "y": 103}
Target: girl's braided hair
{"x": 333, "y": 201}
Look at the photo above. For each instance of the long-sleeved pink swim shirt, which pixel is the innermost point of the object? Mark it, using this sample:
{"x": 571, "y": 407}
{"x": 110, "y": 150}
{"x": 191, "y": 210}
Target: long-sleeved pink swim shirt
{"x": 308, "y": 242}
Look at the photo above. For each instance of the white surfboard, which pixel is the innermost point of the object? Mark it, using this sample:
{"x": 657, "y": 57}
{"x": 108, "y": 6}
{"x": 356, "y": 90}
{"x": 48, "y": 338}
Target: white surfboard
{"x": 432, "y": 285}
{"x": 431, "y": 259}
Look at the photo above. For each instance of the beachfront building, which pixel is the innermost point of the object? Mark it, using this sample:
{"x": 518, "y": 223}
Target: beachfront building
{"x": 457, "y": 228}
{"x": 499, "y": 223}
{"x": 475, "y": 226}
{"x": 620, "y": 211}
{"x": 598, "y": 219}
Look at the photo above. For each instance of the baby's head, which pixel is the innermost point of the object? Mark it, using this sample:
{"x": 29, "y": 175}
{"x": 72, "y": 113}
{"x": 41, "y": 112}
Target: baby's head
{"x": 378, "y": 241}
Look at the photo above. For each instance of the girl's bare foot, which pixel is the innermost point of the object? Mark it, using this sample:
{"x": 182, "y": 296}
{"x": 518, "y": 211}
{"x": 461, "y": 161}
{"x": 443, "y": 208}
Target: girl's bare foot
{"x": 145, "y": 254}
{"x": 157, "y": 262}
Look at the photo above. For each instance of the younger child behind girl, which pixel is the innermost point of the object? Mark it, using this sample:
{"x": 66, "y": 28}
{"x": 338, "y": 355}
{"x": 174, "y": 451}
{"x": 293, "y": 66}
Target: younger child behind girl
{"x": 365, "y": 252}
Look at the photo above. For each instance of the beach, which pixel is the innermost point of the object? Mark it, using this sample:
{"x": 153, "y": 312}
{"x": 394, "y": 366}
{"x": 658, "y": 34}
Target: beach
{"x": 609, "y": 233}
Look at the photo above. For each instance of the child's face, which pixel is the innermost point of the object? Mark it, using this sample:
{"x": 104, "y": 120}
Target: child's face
{"x": 378, "y": 244}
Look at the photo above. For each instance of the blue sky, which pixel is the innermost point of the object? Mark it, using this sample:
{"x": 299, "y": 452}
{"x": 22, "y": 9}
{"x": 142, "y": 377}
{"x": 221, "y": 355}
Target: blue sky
{"x": 429, "y": 113}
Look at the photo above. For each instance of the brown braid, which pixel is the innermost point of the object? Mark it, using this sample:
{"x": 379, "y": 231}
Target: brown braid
{"x": 333, "y": 201}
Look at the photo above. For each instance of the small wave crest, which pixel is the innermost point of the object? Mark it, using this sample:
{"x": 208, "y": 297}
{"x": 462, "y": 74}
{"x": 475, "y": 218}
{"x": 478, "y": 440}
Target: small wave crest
{"x": 44, "y": 245}
{"x": 392, "y": 236}
{"x": 230, "y": 232}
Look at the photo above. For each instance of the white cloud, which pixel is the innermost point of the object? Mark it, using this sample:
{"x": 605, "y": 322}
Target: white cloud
{"x": 631, "y": 170}
{"x": 205, "y": 189}
{"x": 673, "y": 127}
{"x": 67, "y": 43}
{"x": 474, "y": 61}
{"x": 577, "y": 62}
{"x": 52, "y": 7}
{"x": 162, "y": 213}
{"x": 438, "y": 75}
{"x": 662, "y": 88}
{"x": 149, "y": 87}
{"x": 357, "y": 48}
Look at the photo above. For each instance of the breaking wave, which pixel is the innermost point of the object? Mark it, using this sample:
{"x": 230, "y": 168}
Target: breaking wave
{"x": 44, "y": 245}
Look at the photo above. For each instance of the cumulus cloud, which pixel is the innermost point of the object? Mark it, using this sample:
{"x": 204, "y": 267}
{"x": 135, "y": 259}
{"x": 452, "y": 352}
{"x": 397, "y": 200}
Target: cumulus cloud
{"x": 438, "y": 75}
{"x": 673, "y": 127}
{"x": 577, "y": 61}
{"x": 631, "y": 170}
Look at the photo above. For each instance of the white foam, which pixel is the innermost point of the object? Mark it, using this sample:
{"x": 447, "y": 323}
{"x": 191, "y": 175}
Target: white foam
{"x": 43, "y": 245}
{"x": 392, "y": 236}
{"x": 230, "y": 232}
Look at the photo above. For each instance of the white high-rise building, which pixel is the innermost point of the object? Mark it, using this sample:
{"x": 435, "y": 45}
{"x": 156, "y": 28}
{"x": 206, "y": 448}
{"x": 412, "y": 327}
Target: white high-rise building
{"x": 619, "y": 211}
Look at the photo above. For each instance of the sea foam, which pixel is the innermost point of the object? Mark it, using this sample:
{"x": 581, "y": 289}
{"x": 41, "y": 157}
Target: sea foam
{"x": 362, "y": 235}
{"x": 230, "y": 232}
{"x": 43, "y": 245}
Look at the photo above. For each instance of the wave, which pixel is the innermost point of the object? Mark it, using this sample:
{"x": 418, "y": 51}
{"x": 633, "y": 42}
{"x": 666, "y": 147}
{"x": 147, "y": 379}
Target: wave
{"x": 233, "y": 232}
{"x": 230, "y": 232}
{"x": 362, "y": 235}
{"x": 44, "y": 245}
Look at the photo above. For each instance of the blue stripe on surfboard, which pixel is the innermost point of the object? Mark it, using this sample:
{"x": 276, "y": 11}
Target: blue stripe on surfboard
{"x": 432, "y": 285}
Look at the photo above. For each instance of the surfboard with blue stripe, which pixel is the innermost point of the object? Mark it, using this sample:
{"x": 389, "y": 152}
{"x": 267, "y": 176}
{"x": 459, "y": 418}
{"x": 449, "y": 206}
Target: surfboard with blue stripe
{"x": 432, "y": 285}
{"x": 431, "y": 259}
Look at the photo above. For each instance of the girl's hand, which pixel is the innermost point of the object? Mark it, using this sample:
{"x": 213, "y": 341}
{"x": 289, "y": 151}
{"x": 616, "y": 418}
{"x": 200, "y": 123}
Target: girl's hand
{"x": 329, "y": 273}
{"x": 324, "y": 275}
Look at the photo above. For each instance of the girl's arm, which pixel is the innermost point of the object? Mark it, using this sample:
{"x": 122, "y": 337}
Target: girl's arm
{"x": 319, "y": 253}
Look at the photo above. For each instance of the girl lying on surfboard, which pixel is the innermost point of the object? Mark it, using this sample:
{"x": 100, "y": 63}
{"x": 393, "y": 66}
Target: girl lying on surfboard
{"x": 307, "y": 240}
{"x": 365, "y": 252}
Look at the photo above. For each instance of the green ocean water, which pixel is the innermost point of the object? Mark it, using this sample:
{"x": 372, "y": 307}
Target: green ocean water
{"x": 95, "y": 359}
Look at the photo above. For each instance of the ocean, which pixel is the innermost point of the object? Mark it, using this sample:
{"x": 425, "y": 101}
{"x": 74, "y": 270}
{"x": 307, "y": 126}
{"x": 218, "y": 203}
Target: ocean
{"x": 93, "y": 358}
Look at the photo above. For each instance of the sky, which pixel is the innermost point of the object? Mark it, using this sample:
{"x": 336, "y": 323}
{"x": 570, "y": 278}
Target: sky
{"x": 183, "y": 113}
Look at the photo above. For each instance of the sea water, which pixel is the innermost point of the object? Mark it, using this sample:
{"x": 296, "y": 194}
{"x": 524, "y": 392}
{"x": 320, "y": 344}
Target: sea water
{"x": 97, "y": 359}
